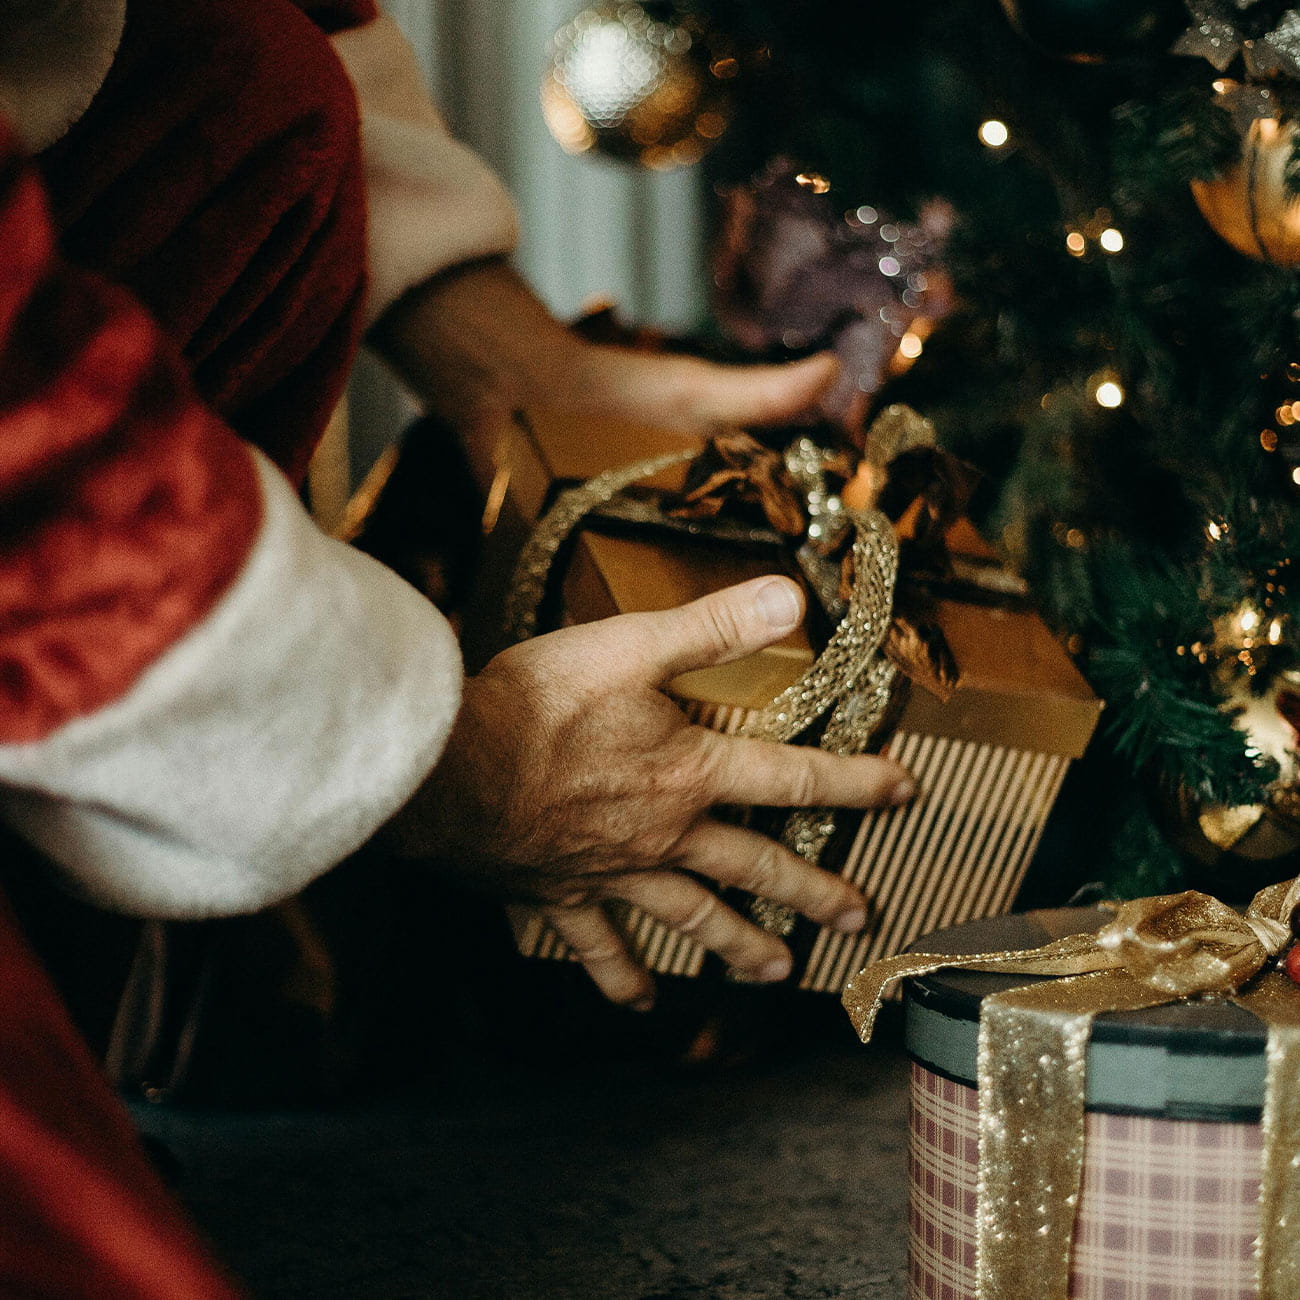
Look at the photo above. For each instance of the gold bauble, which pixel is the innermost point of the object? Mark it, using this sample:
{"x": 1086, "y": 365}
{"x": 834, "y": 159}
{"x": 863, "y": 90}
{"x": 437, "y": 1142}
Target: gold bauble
{"x": 1249, "y": 205}
{"x": 624, "y": 83}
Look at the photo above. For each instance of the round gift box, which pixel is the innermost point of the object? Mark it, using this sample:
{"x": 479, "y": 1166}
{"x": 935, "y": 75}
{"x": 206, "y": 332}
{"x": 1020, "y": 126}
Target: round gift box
{"x": 1172, "y": 1148}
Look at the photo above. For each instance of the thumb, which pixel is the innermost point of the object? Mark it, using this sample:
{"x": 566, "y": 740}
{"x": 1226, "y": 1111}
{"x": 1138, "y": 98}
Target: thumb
{"x": 696, "y": 396}
{"x": 715, "y": 629}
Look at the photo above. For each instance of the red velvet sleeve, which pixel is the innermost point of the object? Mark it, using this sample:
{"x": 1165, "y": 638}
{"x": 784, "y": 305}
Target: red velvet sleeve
{"x": 85, "y": 1215}
{"x": 217, "y": 175}
{"x": 126, "y": 508}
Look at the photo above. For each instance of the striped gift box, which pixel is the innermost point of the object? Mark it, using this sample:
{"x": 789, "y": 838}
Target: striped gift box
{"x": 960, "y": 851}
{"x": 989, "y": 760}
{"x": 1172, "y": 1144}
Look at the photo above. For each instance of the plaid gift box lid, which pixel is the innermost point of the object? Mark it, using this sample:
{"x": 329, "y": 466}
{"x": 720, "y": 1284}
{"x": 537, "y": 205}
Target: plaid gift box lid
{"x": 1200, "y": 1060}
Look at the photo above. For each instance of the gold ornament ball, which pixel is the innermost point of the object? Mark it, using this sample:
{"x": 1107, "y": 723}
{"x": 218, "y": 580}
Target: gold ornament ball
{"x": 1249, "y": 205}
{"x": 623, "y": 83}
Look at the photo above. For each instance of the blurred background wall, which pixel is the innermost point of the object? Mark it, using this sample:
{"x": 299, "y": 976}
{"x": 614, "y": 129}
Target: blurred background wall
{"x": 593, "y": 230}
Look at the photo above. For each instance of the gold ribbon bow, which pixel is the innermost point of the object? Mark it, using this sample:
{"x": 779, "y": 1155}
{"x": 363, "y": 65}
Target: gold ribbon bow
{"x": 1033, "y": 1043}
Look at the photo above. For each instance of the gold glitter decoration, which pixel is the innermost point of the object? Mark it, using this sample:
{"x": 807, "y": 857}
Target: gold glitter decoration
{"x": 570, "y": 509}
{"x": 1032, "y": 1064}
{"x": 850, "y": 679}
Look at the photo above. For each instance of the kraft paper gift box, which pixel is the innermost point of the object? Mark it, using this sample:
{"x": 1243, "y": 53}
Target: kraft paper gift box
{"x": 989, "y": 760}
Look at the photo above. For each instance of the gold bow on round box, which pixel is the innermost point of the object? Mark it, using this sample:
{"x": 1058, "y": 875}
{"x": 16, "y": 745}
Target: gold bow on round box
{"x": 1033, "y": 1043}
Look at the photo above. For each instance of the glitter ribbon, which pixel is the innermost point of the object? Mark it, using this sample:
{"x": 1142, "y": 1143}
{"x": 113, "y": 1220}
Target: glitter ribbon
{"x": 1033, "y": 1043}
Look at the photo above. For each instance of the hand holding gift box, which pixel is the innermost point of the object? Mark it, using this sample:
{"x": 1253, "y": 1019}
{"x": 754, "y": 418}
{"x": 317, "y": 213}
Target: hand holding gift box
{"x": 993, "y": 754}
{"x": 595, "y": 787}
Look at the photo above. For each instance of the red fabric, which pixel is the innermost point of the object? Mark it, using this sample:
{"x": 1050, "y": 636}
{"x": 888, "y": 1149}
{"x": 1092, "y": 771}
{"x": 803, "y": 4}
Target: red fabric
{"x": 125, "y": 507}
{"x": 218, "y": 176}
{"x": 84, "y": 1217}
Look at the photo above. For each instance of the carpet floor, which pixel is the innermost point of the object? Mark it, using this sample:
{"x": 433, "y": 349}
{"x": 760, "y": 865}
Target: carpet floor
{"x": 783, "y": 1177}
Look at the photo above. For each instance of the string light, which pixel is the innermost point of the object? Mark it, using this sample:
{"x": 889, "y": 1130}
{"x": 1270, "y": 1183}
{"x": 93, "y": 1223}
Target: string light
{"x": 812, "y": 181}
{"x": 994, "y": 134}
{"x": 1109, "y": 394}
{"x": 910, "y": 345}
{"x": 1099, "y": 229}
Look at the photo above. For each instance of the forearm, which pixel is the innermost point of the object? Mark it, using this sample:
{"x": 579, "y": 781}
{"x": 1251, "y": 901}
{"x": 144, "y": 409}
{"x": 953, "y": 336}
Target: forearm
{"x": 476, "y": 341}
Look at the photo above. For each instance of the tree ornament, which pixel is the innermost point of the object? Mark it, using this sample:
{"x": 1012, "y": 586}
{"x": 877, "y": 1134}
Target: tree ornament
{"x": 1242, "y": 847}
{"x": 645, "y": 83}
{"x": 1250, "y": 205}
{"x": 1092, "y": 31}
{"x": 1291, "y": 963}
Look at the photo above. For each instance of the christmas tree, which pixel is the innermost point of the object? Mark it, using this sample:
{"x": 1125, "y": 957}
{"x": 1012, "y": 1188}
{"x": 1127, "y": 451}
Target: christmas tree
{"x": 1067, "y": 231}
{"x": 1121, "y": 359}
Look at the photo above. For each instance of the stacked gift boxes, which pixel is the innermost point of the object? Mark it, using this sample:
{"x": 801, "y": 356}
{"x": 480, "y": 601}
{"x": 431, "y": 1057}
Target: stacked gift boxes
{"x": 989, "y": 760}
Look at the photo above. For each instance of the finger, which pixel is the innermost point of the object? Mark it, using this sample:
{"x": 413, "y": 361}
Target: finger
{"x": 604, "y": 955}
{"x": 732, "y": 855}
{"x": 690, "y": 909}
{"x": 760, "y": 772}
{"x": 696, "y": 396}
{"x": 722, "y": 626}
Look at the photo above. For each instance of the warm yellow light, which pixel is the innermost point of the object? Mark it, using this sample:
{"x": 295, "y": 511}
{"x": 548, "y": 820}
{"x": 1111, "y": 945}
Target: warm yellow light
{"x": 1295, "y": 475}
{"x": 993, "y": 133}
{"x": 1275, "y": 632}
{"x": 1214, "y": 530}
{"x": 710, "y": 125}
{"x": 1248, "y": 619}
{"x": 1076, "y": 243}
{"x": 1111, "y": 240}
{"x": 910, "y": 345}
{"x": 812, "y": 181}
{"x": 1268, "y": 439}
{"x": 1284, "y": 414}
{"x": 1109, "y": 394}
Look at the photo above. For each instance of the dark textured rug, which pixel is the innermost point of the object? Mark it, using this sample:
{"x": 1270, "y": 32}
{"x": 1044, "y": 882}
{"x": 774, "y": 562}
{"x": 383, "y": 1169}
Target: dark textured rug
{"x": 781, "y": 1177}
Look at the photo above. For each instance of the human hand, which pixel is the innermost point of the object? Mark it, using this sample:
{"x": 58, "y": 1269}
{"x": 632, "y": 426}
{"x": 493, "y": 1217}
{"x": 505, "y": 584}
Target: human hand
{"x": 476, "y": 344}
{"x": 571, "y": 779}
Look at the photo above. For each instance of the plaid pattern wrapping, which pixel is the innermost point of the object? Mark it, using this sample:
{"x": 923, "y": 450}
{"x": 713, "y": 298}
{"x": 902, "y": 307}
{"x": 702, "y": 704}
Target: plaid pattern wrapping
{"x": 1169, "y": 1209}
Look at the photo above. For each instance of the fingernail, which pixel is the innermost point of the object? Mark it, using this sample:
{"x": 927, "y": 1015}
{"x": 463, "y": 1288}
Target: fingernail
{"x": 903, "y": 791}
{"x": 778, "y": 604}
{"x": 777, "y": 969}
{"x": 643, "y": 1005}
{"x": 852, "y": 921}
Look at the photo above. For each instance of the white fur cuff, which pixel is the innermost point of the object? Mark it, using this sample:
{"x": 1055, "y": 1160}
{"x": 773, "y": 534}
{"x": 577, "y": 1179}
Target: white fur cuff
{"x": 268, "y": 743}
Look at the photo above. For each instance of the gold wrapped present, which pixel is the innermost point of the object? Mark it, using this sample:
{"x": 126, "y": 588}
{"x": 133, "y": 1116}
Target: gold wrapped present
{"x": 989, "y": 748}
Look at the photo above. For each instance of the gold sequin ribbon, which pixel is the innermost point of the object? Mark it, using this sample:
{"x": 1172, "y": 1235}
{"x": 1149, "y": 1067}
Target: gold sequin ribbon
{"x": 1033, "y": 1043}
{"x": 850, "y": 680}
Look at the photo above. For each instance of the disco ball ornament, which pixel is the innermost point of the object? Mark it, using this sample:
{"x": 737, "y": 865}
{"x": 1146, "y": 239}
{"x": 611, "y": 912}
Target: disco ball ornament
{"x": 640, "y": 82}
{"x": 1093, "y": 31}
{"x": 1250, "y": 205}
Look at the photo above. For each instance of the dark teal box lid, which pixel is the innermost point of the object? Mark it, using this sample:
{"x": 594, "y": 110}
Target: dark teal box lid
{"x": 1200, "y": 1060}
